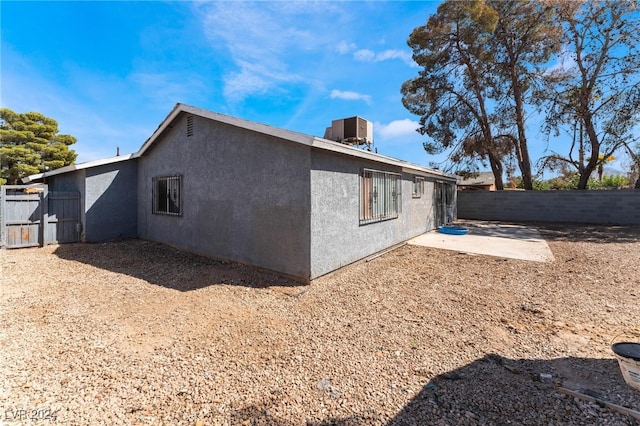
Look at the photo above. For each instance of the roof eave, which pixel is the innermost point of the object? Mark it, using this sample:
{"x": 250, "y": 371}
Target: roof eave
{"x": 301, "y": 138}
{"x": 329, "y": 145}
{"x": 74, "y": 167}
{"x": 226, "y": 119}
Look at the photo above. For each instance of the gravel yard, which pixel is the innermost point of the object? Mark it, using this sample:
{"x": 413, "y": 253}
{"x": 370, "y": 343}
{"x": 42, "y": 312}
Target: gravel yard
{"x": 137, "y": 333}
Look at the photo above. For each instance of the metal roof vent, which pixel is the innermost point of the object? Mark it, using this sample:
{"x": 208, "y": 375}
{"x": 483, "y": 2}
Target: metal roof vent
{"x": 189, "y": 125}
{"x": 351, "y": 131}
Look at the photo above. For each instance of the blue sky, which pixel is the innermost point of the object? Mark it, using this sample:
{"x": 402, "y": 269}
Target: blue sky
{"x": 110, "y": 72}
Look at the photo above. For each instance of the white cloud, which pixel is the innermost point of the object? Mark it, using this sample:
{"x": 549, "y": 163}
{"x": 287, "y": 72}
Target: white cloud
{"x": 350, "y": 96}
{"x": 344, "y": 47}
{"x": 396, "y": 128}
{"x": 395, "y": 54}
{"x": 167, "y": 88}
{"x": 273, "y": 45}
{"x": 261, "y": 38}
{"x": 241, "y": 84}
{"x": 565, "y": 61}
{"x": 366, "y": 55}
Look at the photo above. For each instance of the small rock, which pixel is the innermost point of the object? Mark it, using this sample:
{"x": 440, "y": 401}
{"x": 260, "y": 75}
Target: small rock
{"x": 327, "y": 387}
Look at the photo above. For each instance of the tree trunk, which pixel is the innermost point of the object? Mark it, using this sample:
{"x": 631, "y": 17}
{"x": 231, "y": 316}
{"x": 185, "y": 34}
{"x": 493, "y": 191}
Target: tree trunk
{"x": 595, "y": 152}
{"x": 523, "y": 159}
{"x": 522, "y": 150}
{"x": 497, "y": 169}
{"x": 585, "y": 174}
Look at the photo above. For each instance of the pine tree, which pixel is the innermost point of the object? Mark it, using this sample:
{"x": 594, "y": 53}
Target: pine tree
{"x": 29, "y": 144}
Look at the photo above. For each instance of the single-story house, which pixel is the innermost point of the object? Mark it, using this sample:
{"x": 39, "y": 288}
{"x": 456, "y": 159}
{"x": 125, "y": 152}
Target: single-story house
{"x": 233, "y": 189}
{"x": 483, "y": 181}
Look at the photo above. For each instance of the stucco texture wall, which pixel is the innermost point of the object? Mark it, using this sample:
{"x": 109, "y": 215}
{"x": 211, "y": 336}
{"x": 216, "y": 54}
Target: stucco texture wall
{"x": 337, "y": 238}
{"x": 71, "y": 181}
{"x": 110, "y": 201}
{"x": 615, "y": 207}
{"x": 245, "y": 195}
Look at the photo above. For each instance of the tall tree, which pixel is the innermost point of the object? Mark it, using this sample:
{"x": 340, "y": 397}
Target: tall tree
{"x": 598, "y": 91}
{"x": 525, "y": 37}
{"x": 452, "y": 91}
{"x": 30, "y": 143}
{"x": 634, "y": 155}
{"x": 495, "y": 49}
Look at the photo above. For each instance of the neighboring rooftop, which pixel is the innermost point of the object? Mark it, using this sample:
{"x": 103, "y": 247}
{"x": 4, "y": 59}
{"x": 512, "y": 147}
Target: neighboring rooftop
{"x": 480, "y": 180}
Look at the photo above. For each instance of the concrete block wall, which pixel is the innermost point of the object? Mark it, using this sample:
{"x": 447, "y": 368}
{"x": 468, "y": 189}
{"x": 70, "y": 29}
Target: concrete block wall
{"x": 613, "y": 207}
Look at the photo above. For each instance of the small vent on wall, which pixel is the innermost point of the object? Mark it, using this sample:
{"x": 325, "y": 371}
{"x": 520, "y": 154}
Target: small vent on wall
{"x": 189, "y": 125}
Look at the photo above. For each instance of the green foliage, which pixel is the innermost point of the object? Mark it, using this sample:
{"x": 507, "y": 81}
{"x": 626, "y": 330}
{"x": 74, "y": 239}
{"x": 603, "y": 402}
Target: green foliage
{"x": 566, "y": 181}
{"x": 484, "y": 64}
{"x": 30, "y": 143}
{"x": 478, "y": 60}
{"x": 597, "y": 95}
{"x": 613, "y": 182}
{"x": 571, "y": 180}
{"x": 451, "y": 91}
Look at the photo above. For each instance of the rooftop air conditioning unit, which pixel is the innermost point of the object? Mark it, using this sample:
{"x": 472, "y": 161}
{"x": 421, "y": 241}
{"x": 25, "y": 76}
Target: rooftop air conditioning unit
{"x": 351, "y": 131}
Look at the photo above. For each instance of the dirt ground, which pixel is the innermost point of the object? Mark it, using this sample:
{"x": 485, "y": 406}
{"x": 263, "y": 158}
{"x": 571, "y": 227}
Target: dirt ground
{"x": 134, "y": 332}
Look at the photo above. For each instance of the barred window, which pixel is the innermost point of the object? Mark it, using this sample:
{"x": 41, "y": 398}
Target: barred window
{"x": 166, "y": 195}
{"x": 418, "y": 187}
{"x": 379, "y": 196}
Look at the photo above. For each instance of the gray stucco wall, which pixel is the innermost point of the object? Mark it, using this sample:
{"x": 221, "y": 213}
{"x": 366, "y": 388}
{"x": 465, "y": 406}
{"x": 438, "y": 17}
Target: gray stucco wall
{"x": 110, "y": 201}
{"x": 245, "y": 196}
{"x": 615, "y": 207}
{"x": 71, "y": 181}
{"x": 337, "y": 238}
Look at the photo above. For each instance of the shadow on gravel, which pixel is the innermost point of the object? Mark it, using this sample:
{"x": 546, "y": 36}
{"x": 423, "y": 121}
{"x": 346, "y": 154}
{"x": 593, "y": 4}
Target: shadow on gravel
{"x": 168, "y": 267}
{"x": 494, "y": 390}
{"x": 260, "y": 415}
{"x": 590, "y": 233}
{"x": 571, "y": 232}
{"x": 522, "y": 232}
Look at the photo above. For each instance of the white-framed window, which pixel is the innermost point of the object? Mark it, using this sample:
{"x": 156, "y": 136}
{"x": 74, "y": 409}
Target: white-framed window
{"x": 379, "y": 196}
{"x": 167, "y": 197}
{"x": 418, "y": 187}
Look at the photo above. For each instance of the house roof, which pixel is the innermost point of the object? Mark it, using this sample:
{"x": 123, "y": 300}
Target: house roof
{"x": 79, "y": 166}
{"x": 482, "y": 179}
{"x": 296, "y": 137}
{"x": 313, "y": 141}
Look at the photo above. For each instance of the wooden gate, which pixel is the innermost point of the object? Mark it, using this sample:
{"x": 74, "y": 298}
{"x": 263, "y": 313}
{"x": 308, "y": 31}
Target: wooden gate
{"x": 32, "y": 216}
{"x": 63, "y": 218}
{"x": 22, "y": 217}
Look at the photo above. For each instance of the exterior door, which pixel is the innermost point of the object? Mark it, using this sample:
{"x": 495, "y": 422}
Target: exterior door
{"x": 444, "y": 203}
{"x": 439, "y": 204}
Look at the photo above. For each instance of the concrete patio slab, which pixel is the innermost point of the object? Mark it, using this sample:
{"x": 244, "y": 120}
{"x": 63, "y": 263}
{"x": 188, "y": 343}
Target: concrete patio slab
{"x": 492, "y": 239}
